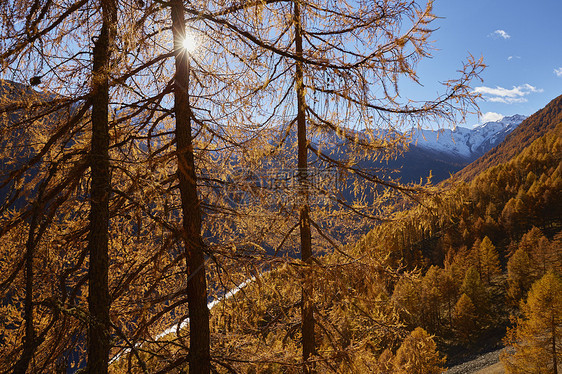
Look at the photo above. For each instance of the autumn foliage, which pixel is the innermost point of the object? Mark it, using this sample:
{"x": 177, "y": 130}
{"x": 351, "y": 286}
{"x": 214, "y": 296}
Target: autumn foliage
{"x": 139, "y": 234}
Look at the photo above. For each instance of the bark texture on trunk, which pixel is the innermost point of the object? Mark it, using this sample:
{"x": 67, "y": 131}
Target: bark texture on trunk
{"x": 98, "y": 296}
{"x": 307, "y": 311}
{"x": 29, "y": 341}
{"x": 554, "y": 353}
{"x": 199, "y": 335}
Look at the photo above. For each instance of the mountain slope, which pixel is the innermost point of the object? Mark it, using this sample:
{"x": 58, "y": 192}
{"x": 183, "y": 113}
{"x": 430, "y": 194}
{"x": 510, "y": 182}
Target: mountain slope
{"x": 532, "y": 128}
{"x": 441, "y": 153}
{"x": 355, "y": 298}
{"x": 515, "y": 206}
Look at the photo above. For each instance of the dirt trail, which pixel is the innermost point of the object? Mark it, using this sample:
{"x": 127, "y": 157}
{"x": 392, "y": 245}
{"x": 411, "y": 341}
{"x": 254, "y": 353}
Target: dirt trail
{"x": 486, "y": 364}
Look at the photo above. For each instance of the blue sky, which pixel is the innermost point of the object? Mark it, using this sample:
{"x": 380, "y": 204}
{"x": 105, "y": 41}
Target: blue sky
{"x": 521, "y": 42}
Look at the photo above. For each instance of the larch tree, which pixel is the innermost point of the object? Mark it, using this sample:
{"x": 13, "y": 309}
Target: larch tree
{"x": 48, "y": 170}
{"x": 473, "y": 287}
{"x": 418, "y": 354}
{"x": 519, "y": 274}
{"x": 449, "y": 291}
{"x": 408, "y": 300}
{"x": 99, "y": 332}
{"x": 199, "y": 336}
{"x": 432, "y": 299}
{"x": 536, "y": 340}
{"x": 341, "y": 63}
{"x": 384, "y": 363}
{"x": 534, "y": 257}
{"x": 489, "y": 260}
{"x": 66, "y": 173}
{"x": 465, "y": 318}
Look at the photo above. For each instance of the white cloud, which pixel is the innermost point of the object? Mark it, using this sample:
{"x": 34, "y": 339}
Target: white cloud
{"x": 500, "y": 34}
{"x": 512, "y": 57}
{"x": 558, "y": 72}
{"x": 507, "y": 100}
{"x": 491, "y": 117}
{"x": 507, "y": 96}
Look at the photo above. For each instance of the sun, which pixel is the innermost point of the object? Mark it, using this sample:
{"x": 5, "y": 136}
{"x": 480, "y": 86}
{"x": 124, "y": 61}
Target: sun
{"x": 189, "y": 43}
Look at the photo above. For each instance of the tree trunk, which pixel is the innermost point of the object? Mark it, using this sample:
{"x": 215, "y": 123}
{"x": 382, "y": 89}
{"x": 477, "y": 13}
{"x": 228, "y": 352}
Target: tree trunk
{"x": 199, "y": 339}
{"x": 98, "y": 297}
{"x": 554, "y": 353}
{"x": 308, "y": 340}
{"x": 29, "y": 343}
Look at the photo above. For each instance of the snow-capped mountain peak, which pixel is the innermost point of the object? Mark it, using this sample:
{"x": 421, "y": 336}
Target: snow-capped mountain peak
{"x": 465, "y": 143}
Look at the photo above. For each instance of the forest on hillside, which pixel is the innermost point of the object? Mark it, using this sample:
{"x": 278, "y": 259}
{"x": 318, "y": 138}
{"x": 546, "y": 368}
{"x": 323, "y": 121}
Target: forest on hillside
{"x": 164, "y": 209}
{"x": 472, "y": 267}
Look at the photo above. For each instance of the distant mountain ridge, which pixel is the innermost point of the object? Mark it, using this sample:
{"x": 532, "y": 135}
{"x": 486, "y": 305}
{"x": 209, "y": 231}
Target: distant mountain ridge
{"x": 531, "y": 128}
{"x": 440, "y": 153}
{"x": 465, "y": 143}
{"x": 445, "y": 152}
